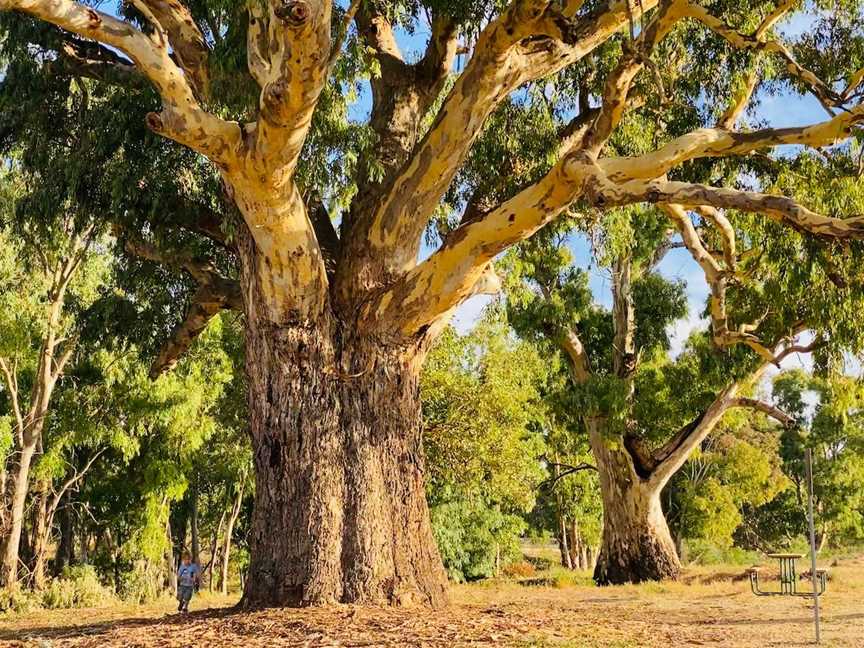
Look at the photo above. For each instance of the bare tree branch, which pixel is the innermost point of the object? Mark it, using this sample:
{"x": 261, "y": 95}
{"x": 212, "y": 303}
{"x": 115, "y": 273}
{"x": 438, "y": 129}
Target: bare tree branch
{"x": 718, "y": 142}
{"x": 580, "y": 364}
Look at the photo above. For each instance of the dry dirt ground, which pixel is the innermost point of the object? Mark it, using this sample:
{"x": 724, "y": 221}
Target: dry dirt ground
{"x": 707, "y": 608}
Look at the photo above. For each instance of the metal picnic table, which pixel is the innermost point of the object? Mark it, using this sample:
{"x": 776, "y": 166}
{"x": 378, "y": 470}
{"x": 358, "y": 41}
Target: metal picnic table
{"x": 788, "y": 577}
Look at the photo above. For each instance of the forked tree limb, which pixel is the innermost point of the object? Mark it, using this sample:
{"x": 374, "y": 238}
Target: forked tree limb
{"x": 669, "y": 458}
{"x": 826, "y": 95}
{"x": 441, "y": 282}
{"x": 190, "y": 49}
{"x": 291, "y": 57}
{"x": 505, "y": 58}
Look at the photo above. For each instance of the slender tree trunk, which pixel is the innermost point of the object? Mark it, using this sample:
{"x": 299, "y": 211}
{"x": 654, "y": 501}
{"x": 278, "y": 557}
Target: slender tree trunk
{"x": 214, "y": 551}
{"x": 171, "y": 580}
{"x": 85, "y": 547}
{"x": 20, "y": 486}
{"x": 636, "y": 545}
{"x": 4, "y": 504}
{"x": 822, "y": 540}
{"x": 340, "y": 508}
{"x": 226, "y": 542}
{"x": 65, "y": 551}
{"x": 563, "y": 545}
{"x": 41, "y": 532}
{"x": 193, "y": 523}
{"x": 576, "y": 546}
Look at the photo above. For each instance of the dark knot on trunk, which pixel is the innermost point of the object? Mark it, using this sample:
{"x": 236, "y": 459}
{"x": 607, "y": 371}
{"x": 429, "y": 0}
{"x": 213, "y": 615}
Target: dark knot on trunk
{"x": 293, "y": 12}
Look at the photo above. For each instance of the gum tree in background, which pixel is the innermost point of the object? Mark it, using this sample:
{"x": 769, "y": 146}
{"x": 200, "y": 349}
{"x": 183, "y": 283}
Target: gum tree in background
{"x": 338, "y": 323}
{"x": 38, "y": 337}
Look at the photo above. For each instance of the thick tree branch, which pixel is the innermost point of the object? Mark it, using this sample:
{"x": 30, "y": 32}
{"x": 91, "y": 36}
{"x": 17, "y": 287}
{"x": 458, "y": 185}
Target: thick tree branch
{"x": 580, "y": 364}
{"x": 190, "y": 49}
{"x": 624, "y": 322}
{"x": 208, "y": 301}
{"x": 718, "y": 142}
{"x": 779, "y": 208}
{"x": 766, "y": 408}
{"x": 290, "y": 59}
{"x": 182, "y": 118}
{"x": 668, "y": 459}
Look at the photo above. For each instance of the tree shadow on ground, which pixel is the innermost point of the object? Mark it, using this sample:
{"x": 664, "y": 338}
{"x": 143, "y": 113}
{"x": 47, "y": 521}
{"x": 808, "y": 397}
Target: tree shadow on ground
{"x": 782, "y": 621}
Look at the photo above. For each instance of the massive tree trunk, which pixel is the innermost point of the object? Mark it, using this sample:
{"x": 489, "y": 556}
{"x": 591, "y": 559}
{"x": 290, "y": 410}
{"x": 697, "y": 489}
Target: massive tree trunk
{"x": 340, "y": 507}
{"x": 636, "y": 544}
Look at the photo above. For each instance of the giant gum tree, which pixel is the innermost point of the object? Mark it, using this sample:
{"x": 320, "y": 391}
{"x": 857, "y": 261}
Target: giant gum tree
{"x": 338, "y": 322}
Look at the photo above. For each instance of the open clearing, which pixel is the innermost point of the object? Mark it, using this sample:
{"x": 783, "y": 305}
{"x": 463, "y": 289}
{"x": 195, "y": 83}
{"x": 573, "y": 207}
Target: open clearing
{"x": 708, "y": 607}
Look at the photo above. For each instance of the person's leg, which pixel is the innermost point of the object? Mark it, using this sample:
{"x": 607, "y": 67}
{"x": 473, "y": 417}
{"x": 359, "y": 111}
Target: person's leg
{"x": 187, "y": 594}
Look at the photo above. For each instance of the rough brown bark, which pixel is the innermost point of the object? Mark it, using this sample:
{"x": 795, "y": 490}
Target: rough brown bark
{"x": 340, "y": 508}
{"x": 636, "y": 544}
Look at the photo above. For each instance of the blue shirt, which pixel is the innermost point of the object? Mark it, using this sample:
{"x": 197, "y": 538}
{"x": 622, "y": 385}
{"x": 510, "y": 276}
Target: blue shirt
{"x": 188, "y": 574}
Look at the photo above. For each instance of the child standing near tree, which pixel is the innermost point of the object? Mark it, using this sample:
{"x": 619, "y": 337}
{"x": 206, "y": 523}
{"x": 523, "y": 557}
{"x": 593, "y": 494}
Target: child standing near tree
{"x": 188, "y": 580}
